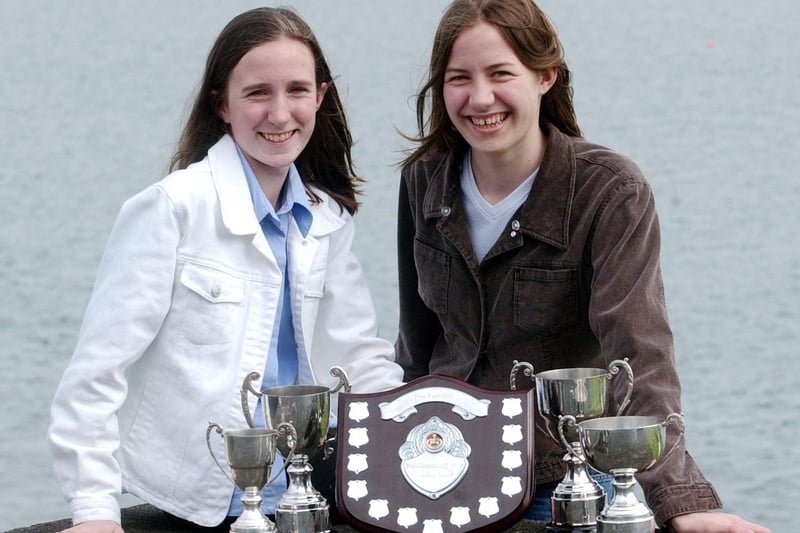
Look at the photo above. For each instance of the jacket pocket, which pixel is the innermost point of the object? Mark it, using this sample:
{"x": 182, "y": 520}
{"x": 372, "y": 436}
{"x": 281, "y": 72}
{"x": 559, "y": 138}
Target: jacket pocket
{"x": 213, "y": 301}
{"x": 545, "y": 300}
{"x": 433, "y": 276}
{"x": 315, "y": 282}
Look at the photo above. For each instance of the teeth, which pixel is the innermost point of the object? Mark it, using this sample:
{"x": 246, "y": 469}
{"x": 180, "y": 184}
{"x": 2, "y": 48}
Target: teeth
{"x": 489, "y": 121}
{"x": 278, "y": 137}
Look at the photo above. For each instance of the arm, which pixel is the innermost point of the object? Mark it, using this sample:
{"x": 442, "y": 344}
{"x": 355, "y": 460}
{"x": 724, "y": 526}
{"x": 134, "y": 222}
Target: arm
{"x": 346, "y": 326}
{"x": 95, "y": 526}
{"x": 713, "y": 523}
{"x": 418, "y": 326}
{"x": 131, "y": 296}
{"x": 628, "y": 314}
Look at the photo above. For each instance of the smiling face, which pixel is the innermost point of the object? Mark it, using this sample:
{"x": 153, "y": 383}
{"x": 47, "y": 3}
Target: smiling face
{"x": 491, "y": 97}
{"x": 270, "y": 105}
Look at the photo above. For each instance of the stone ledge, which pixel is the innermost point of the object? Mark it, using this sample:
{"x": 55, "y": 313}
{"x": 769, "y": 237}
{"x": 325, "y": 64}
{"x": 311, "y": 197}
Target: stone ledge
{"x": 147, "y": 519}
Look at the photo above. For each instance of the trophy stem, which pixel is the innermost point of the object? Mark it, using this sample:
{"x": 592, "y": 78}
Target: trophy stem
{"x": 302, "y": 509}
{"x": 578, "y": 499}
{"x": 252, "y": 520}
{"x": 626, "y": 513}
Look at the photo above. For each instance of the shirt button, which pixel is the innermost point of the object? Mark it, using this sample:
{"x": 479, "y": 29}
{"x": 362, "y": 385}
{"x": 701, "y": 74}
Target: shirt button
{"x": 446, "y": 211}
{"x": 215, "y": 291}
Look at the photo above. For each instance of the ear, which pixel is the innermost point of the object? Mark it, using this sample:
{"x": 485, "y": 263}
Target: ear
{"x": 547, "y": 78}
{"x": 222, "y": 107}
{"x": 323, "y": 87}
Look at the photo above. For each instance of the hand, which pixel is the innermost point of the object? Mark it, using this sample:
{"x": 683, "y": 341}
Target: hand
{"x": 95, "y": 526}
{"x": 708, "y": 522}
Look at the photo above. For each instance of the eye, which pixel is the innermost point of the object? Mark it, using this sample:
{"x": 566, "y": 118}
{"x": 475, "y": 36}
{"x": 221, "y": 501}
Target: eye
{"x": 455, "y": 78}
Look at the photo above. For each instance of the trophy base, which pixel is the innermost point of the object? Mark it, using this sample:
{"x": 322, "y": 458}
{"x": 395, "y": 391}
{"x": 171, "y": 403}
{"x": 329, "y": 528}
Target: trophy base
{"x": 304, "y": 520}
{"x": 252, "y": 520}
{"x": 253, "y": 529}
{"x": 302, "y": 509}
{"x": 644, "y": 525}
{"x": 553, "y": 528}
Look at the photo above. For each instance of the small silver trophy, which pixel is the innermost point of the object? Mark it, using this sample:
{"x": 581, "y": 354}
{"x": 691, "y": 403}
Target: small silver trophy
{"x": 301, "y": 509}
{"x": 623, "y": 446}
{"x": 250, "y": 453}
{"x": 581, "y": 393}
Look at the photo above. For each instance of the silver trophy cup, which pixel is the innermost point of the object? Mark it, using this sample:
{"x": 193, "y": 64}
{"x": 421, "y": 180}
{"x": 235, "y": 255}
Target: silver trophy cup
{"x": 301, "y": 509}
{"x": 250, "y": 453}
{"x": 623, "y": 446}
{"x": 581, "y": 393}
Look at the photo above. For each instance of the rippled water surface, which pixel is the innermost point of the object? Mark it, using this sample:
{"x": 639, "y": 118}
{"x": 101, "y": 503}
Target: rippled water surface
{"x": 701, "y": 94}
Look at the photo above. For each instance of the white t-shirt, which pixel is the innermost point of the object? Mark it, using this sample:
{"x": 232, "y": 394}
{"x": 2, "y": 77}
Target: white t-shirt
{"x": 486, "y": 221}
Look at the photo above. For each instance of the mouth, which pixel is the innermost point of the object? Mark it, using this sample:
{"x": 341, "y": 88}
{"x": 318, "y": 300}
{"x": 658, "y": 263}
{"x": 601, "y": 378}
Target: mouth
{"x": 278, "y": 137}
{"x": 489, "y": 121}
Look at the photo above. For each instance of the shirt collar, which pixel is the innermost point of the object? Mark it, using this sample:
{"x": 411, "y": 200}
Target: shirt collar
{"x": 293, "y": 196}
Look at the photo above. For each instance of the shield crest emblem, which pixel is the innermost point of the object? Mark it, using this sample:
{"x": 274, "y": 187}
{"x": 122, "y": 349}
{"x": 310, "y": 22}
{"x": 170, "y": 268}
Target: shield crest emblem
{"x": 436, "y": 454}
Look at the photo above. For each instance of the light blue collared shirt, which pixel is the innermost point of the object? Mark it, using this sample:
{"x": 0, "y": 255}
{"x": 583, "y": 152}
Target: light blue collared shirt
{"x": 282, "y": 365}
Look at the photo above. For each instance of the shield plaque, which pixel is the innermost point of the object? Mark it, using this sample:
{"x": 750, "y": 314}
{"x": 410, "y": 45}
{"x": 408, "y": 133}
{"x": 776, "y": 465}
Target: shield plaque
{"x": 435, "y": 455}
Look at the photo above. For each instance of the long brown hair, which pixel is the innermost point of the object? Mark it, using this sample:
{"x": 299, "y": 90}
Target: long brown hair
{"x": 326, "y": 161}
{"x": 533, "y": 38}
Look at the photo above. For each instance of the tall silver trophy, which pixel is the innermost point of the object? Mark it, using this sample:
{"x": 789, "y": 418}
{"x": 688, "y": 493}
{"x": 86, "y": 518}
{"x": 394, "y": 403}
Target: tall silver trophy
{"x": 581, "y": 393}
{"x": 301, "y": 509}
{"x": 250, "y": 453}
{"x": 623, "y": 446}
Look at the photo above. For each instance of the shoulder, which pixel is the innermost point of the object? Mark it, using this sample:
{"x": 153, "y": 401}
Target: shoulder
{"x": 420, "y": 174}
{"x": 328, "y": 215}
{"x": 595, "y": 160}
{"x": 188, "y": 187}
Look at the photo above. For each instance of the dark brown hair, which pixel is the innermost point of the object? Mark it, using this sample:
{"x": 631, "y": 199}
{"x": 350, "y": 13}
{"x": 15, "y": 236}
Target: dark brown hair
{"x": 533, "y": 38}
{"x": 326, "y": 161}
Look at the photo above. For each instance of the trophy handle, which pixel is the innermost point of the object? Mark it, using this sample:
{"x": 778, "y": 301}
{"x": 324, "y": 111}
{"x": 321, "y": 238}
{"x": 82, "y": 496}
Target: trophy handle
{"x": 677, "y": 419}
{"x": 338, "y": 372}
{"x": 211, "y": 426}
{"x": 613, "y": 369}
{"x": 247, "y": 385}
{"x": 327, "y": 449}
{"x": 286, "y": 427}
{"x": 527, "y": 371}
{"x": 563, "y": 420}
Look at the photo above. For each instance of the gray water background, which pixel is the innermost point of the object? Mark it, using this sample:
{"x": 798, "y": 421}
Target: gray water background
{"x": 701, "y": 93}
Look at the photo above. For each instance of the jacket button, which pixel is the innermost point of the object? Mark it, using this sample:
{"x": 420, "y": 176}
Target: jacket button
{"x": 215, "y": 291}
{"x": 446, "y": 211}
{"x": 515, "y": 225}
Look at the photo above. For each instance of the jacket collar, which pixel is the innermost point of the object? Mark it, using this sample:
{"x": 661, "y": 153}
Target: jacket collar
{"x": 234, "y": 194}
{"x": 544, "y": 215}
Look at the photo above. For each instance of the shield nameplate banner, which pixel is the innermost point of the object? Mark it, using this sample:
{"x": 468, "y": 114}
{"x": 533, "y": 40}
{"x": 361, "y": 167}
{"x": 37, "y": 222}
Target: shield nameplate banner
{"x": 435, "y": 455}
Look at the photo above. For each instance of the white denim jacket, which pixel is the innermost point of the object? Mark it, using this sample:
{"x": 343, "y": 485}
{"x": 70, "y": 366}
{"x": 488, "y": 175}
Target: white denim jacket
{"x": 183, "y": 308}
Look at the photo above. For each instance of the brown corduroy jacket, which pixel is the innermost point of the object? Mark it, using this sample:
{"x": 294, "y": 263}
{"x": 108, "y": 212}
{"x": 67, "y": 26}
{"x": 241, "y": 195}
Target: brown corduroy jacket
{"x": 573, "y": 281}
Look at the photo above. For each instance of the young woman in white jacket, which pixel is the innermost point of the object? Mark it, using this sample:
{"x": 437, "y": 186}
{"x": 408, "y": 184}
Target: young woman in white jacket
{"x": 241, "y": 259}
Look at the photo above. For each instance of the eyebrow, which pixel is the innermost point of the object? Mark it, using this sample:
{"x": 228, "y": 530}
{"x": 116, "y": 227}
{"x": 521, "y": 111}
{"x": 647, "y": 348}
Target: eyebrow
{"x": 260, "y": 85}
{"x": 502, "y": 64}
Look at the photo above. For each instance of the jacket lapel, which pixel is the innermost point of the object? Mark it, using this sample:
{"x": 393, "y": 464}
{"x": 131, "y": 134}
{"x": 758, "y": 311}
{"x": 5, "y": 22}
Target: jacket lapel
{"x": 235, "y": 203}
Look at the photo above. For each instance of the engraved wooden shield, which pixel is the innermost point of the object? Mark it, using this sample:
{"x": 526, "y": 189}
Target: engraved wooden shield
{"x": 433, "y": 456}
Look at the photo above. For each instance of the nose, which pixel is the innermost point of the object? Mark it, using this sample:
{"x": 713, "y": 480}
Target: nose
{"x": 278, "y": 112}
{"x": 482, "y": 94}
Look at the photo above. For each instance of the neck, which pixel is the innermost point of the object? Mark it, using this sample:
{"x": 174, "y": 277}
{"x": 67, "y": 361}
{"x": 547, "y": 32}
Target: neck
{"x": 498, "y": 174}
{"x": 271, "y": 180}
{"x": 272, "y": 188}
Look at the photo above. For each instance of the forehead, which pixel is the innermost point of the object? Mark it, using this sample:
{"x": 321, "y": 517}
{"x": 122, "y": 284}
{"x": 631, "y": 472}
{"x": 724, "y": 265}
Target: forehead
{"x": 480, "y": 43}
{"x": 284, "y": 59}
